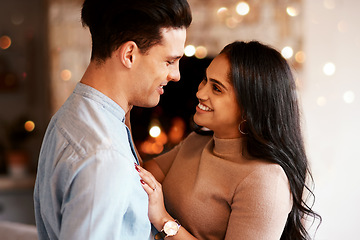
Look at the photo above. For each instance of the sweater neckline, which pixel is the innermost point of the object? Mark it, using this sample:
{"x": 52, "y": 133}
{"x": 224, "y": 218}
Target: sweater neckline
{"x": 228, "y": 147}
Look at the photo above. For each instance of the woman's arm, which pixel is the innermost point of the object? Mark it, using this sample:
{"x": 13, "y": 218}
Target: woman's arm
{"x": 157, "y": 213}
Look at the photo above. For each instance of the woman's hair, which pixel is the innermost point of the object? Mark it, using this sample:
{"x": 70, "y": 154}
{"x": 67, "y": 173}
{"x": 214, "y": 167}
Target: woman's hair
{"x": 114, "y": 22}
{"x": 266, "y": 93}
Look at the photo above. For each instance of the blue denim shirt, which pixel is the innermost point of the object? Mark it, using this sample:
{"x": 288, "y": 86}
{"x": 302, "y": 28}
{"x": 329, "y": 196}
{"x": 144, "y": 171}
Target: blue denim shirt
{"x": 87, "y": 186}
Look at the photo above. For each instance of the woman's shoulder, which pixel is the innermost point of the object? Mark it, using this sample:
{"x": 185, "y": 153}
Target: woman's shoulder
{"x": 265, "y": 170}
{"x": 266, "y": 176}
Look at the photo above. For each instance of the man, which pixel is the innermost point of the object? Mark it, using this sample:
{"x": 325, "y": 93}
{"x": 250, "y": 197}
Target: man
{"x": 87, "y": 186}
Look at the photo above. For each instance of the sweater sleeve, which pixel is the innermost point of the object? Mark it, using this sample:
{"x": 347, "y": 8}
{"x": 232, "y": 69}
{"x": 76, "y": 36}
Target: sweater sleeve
{"x": 260, "y": 206}
{"x": 166, "y": 160}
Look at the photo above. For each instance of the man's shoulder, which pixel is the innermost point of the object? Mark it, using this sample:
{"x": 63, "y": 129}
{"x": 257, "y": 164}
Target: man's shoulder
{"x": 87, "y": 126}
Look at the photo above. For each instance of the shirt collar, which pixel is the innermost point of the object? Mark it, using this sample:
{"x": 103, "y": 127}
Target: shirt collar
{"x": 97, "y": 96}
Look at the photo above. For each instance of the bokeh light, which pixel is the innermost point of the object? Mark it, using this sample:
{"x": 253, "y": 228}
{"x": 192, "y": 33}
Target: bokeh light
{"x": 321, "y": 101}
{"x": 223, "y": 11}
{"x": 349, "y": 96}
{"x": 65, "y": 75}
{"x": 292, "y": 11}
{"x": 329, "y": 69}
{"x": 155, "y": 131}
{"x": 242, "y": 8}
{"x": 201, "y": 52}
{"x": 300, "y": 57}
{"x": 5, "y": 42}
{"x": 29, "y": 126}
{"x": 190, "y": 50}
{"x": 287, "y": 52}
{"x": 231, "y": 22}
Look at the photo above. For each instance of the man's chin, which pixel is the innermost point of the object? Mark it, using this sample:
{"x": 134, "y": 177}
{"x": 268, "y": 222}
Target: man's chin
{"x": 150, "y": 104}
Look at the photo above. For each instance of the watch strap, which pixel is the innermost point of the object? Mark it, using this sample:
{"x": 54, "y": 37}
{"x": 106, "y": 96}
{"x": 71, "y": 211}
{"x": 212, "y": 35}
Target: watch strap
{"x": 160, "y": 235}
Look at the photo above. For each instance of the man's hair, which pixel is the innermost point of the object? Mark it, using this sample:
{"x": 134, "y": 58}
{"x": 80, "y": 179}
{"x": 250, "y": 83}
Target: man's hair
{"x": 114, "y": 22}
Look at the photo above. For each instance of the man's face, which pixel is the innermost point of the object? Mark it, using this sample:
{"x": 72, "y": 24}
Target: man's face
{"x": 154, "y": 69}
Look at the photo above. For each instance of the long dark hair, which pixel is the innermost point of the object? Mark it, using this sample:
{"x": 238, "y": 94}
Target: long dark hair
{"x": 266, "y": 92}
{"x": 114, "y": 22}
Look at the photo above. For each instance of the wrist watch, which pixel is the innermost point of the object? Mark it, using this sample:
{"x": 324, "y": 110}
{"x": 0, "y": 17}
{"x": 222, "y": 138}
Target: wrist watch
{"x": 170, "y": 228}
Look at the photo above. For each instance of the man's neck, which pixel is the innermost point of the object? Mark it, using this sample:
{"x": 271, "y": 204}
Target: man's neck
{"x": 106, "y": 80}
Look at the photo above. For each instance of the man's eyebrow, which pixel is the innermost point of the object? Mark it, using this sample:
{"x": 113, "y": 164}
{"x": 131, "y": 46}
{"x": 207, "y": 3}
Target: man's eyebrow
{"x": 175, "y": 57}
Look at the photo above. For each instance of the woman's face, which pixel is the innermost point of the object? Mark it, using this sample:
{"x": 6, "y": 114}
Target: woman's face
{"x": 218, "y": 109}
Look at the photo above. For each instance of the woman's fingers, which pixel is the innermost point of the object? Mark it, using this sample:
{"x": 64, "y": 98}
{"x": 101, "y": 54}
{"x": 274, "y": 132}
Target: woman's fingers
{"x": 147, "y": 180}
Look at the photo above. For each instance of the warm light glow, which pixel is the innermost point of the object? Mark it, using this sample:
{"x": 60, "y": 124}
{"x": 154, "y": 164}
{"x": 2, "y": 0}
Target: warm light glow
{"x": 201, "y": 52}
{"x": 300, "y": 57}
{"x": 242, "y": 8}
{"x": 329, "y": 4}
{"x": 29, "y": 126}
{"x": 155, "y": 131}
{"x": 189, "y": 50}
{"x": 157, "y": 148}
{"x": 17, "y": 19}
{"x": 177, "y": 130}
{"x": 292, "y": 11}
{"x": 231, "y": 22}
{"x": 65, "y": 75}
{"x": 287, "y": 52}
{"x": 349, "y": 97}
{"x": 222, "y": 11}
{"x": 5, "y": 42}
{"x": 321, "y": 101}
{"x": 329, "y": 69}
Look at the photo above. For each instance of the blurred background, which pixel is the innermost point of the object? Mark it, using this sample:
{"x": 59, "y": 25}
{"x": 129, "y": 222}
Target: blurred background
{"x": 44, "y": 51}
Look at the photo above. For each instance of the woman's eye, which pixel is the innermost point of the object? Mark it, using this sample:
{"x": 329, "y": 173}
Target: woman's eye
{"x": 215, "y": 88}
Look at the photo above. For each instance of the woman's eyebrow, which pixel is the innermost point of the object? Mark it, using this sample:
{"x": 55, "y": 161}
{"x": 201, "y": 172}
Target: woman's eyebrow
{"x": 217, "y": 82}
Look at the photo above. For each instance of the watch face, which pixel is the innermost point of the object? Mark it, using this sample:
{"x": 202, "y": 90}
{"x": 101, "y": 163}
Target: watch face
{"x": 171, "y": 228}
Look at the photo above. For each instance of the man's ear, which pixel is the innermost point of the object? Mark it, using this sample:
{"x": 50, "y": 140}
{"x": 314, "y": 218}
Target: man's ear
{"x": 127, "y": 52}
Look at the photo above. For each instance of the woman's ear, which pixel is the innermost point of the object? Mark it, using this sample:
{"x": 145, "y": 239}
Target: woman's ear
{"x": 127, "y": 52}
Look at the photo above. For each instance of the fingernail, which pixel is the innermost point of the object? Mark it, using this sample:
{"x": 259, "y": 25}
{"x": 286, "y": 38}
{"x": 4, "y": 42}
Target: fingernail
{"x": 142, "y": 181}
{"x": 137, "y": 167}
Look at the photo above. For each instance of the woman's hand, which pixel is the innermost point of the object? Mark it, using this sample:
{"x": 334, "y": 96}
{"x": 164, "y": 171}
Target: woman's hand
{"x": 157, "y": 212}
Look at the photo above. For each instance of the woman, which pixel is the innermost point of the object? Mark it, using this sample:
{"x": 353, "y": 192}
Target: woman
{"x": 247, "y": 179}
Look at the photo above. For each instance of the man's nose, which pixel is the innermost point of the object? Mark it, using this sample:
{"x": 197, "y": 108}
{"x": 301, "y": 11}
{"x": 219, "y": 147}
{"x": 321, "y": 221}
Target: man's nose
{"x": 174, "y": 74}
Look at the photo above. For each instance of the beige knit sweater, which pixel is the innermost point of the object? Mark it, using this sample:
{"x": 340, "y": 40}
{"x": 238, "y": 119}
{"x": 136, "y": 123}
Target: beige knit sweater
{"x": 217, "y": 193}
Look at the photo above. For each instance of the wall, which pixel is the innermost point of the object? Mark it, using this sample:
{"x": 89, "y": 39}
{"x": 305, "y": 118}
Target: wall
{"x": 332, "y": 124}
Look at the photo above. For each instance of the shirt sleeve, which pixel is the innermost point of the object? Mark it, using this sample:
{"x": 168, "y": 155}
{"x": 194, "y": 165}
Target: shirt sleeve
{"x": 96, "y": 202}
{"x": 260, "y": 206}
